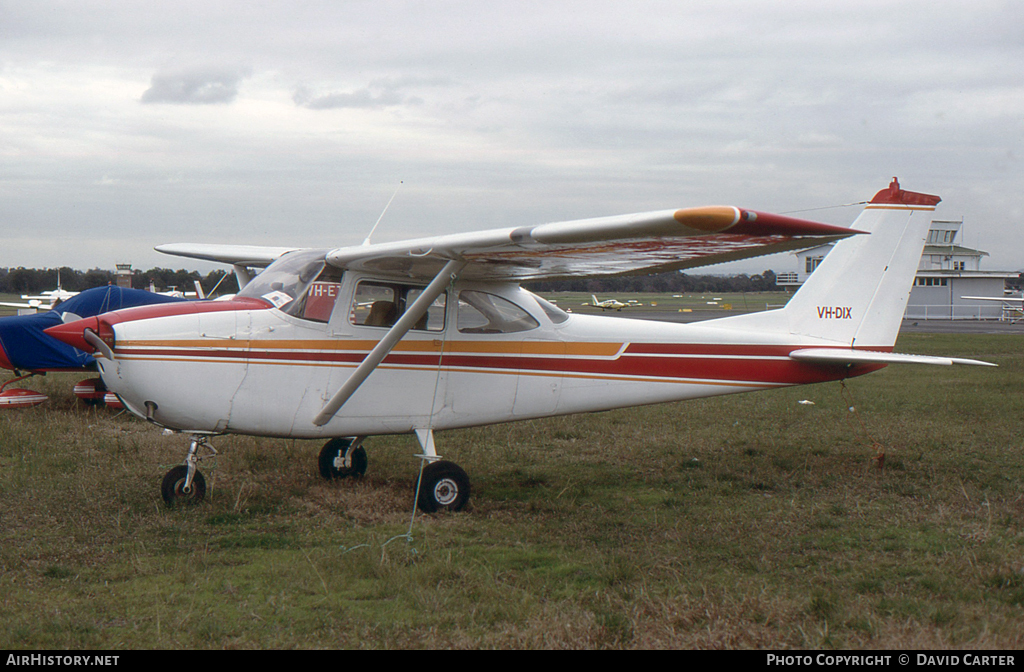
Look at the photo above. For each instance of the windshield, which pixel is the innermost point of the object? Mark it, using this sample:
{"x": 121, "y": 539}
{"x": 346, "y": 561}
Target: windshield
{"x": 284, "y": 280}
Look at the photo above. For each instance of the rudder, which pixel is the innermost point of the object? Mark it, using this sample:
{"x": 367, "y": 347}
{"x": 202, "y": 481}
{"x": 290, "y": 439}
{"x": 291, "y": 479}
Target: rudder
{"x": 857, "y": 295}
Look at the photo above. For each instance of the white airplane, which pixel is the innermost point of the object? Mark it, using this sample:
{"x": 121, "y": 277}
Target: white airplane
{"x": 45, "y": 300}
{"x": 179, "y": 294}
{"x": 607, "y": 304}
{"x": 451, "y": 340}
{"x": 1011, "y": 304}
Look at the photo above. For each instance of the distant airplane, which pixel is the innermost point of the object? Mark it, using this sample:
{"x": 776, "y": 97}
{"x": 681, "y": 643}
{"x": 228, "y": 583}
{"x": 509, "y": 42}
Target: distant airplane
{"x": 179, "y": 294}
{"x": 1010, "y": 303}
{"x": 290, "y": 357}
{"x": 1019, "y": 300}
{"x": 44, "y": 300}
{"x": 27, "y": 350}
{"x": 607, "y": 304}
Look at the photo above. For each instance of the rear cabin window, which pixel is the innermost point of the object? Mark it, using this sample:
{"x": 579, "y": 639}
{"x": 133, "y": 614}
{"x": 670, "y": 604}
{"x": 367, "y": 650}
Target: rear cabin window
{"x": 554, "y": 313}
{"x": 380, "y": 304}
{"x": 483, "y": 313}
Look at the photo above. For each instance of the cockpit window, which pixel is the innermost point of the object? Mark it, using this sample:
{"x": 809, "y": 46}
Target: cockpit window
{"x": 483, "y": 313}
{"x": 286, "y": 279}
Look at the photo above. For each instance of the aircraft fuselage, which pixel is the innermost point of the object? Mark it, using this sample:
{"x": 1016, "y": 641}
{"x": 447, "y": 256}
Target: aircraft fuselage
{"x": 253, "y": 369}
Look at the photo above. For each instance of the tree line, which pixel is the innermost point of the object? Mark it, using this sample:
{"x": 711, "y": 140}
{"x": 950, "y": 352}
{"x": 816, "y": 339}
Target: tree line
{"x": 675, "y": 282}
{"x": 34, "y": 280}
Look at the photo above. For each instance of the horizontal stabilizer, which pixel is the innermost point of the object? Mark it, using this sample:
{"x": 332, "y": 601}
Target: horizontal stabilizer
{"x": 847, "y": 356}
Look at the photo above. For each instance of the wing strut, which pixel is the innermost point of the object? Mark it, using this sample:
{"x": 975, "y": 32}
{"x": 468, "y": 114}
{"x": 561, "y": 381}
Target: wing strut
{"x": 410, "y": 317}
{"x": 242, "y": 274}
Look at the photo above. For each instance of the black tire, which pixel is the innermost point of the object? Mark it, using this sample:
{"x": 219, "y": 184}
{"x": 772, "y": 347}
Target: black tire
{"x": 173, "y": 487}
{"x": 333, "y": 455}
{"x": 444, "y": 487}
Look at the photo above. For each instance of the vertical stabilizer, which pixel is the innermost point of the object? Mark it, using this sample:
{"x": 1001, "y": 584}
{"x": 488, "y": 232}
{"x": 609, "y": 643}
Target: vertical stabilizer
{"x": 857, "y": 295}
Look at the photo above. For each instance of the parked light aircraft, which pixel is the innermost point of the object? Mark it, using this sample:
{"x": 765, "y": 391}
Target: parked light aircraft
{"x": 1012, "y": 305}
{"x": 451, "y": 339}
{"x": 45, "y": 300}
{"x": 25, "y": 348}
{"x": 607, "y": 304}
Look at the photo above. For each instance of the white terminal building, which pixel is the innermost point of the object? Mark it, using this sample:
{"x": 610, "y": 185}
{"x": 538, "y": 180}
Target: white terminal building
{"x": 947, "y": 272}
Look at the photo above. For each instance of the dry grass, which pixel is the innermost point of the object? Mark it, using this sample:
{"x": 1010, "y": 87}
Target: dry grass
{"x": 737, "y": 522}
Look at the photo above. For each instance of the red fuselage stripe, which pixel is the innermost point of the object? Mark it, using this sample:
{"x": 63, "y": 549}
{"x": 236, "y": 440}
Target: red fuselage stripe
{"x": 754, "y": 365}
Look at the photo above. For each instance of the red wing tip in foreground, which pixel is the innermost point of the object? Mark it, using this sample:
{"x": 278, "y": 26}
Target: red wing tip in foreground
{"x": 722, "y": 218}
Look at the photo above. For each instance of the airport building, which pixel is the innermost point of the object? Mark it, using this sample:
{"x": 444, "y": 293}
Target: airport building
{"x": 948, "y": 271}
{"x": 124, "y": 275}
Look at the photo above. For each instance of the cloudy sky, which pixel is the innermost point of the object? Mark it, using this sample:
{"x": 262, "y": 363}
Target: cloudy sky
{"x": 126, "y": 125}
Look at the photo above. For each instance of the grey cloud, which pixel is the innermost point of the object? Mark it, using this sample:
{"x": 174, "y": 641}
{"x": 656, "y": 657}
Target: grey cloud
{"x": 382, "y": 92}
{"x": 203, "y": 86}
{"x": 362, "y": 98}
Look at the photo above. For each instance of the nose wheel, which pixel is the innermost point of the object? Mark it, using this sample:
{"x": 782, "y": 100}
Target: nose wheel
{"x": 184, "y": 485}
{"x": 342, "y": 457}
{"x": 176, "y": 491}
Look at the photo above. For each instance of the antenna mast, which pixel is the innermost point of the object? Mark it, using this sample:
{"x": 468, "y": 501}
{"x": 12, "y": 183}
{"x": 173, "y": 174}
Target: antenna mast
{"x": 366, "y": 241}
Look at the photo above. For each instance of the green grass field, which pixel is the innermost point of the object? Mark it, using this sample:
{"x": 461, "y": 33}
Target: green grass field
{"x": 743, "y": 521}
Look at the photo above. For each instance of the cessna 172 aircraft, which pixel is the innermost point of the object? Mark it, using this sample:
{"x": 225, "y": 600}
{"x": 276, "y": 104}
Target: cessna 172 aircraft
{"x": 436, "y": 333}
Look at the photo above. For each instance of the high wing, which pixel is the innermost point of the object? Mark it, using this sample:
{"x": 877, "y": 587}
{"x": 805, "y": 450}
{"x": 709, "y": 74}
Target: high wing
{"x": 38, "y": 305}
{"x": 642, "y": 243}
{"x": 241, "y": 257}
{"x": 1004, "y": 299}
{"x": 44, "y": 302}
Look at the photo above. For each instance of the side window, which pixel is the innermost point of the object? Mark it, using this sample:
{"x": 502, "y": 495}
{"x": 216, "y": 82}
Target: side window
{"x": 482, "y": 313}
{"x": 434, "y": 319}
{"x": 380, "y": 304}
{"x": 374, "y": 305}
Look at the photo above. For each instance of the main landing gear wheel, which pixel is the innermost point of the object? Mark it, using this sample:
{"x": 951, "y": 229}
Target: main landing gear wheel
{"x": 174, "y": 491}
{"x": 338, "y": 459}
{"x": 444, "y": 486}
